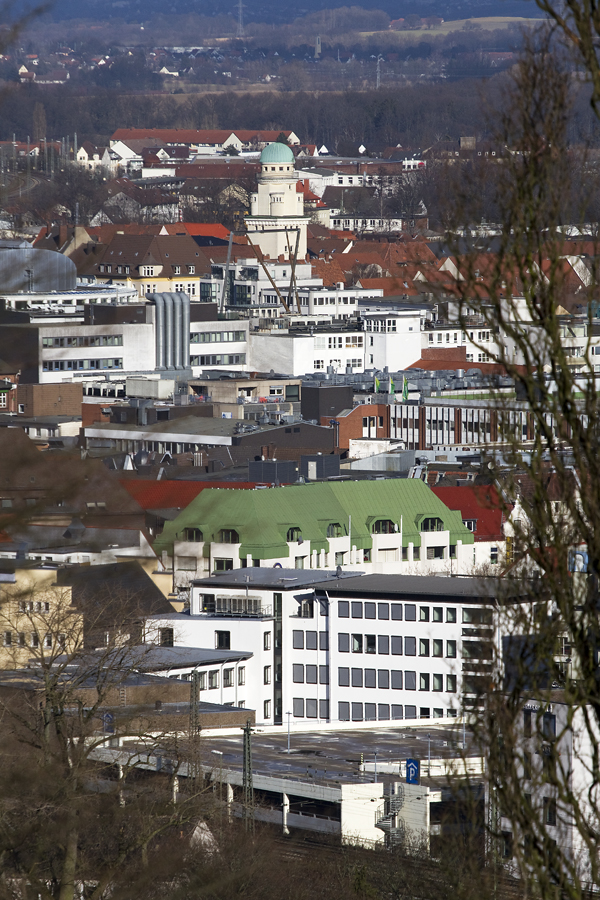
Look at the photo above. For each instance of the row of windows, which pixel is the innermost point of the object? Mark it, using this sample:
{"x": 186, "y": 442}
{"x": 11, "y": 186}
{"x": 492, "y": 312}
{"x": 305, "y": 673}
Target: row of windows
{"x": 307, "y": 640}
{"x": 363, "y": 712}
{"x": 33, "y": 605}
{"x": 380, "y": 325}
{"x": 308, "y": 674}
{"x": 396, "y": 680}
{"x": 211, "y": 678}
{"x": 21, "y": 639}
{"x": 337, "y": 341}
{"x": 356, "y": 609}
{"x": 355, "y": 363}
{"x": 96, "y": 340}
{"x": 219, "y": 359}
{"x": 328, "y": 301}
{"x": 383, "y": 644}
{"x": 371, "y": 712}
{"x": 62, "y": 365}
{"x": 215, "y": 337}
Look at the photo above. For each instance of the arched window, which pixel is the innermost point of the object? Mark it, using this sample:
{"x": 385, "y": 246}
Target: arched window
{"x": 229, "y": 536}
{"x": 193, "y": 534}
{"x": 383, "y": 526}
{"x": 432, "y": 524}
{"x": 334, "y": 529}
{"x": 294, "y": 534}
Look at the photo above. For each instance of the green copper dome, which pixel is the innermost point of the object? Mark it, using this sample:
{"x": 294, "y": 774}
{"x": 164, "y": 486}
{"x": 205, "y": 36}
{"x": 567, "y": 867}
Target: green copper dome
{"x": 276, "y": 153}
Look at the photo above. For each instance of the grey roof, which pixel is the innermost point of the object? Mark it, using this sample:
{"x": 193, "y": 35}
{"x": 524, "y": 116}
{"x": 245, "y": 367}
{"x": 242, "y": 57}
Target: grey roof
{"x": 439, "y": 586}
{"x": 284, "y": 579}
{"x": 156, "y": 658}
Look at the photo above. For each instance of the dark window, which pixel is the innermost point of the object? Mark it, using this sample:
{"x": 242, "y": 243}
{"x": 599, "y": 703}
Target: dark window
{"x": 166, "y": 637}
{"x": 410, "y": 646}
{"x": 229, "y": 536}
{"x": 424, "y": 681}
{"x": 438, "y": 614}
{"x": 223, "y": 640}
{"x": 383, "y": 712}
{"x": 334, "y": 530}
{"x": 344, "y": 712}
{"x": 383, "y": 679}
{"x": 311, "y": 640}
{"x": 298, "y": 673}
{"x": 410, "y": 679}
{"x": 383, "y": 526}
{"x": 357, "y": 677}
{"x": 549, "y": 811}
{"x": 223, "y": 565}
{"x": 370, "y": 712}
{"x": 311, "y": 709}
{"x": 193, "y": 534}
{"x": 432, "y": 524}
{"x": 397, "y": 711}
{"x": 344, "y": 677}
{"x": 370, "y": 610}
{"x": 357, "y": 643}
{"x": 410, "y": 612}
{"x": 549, "y": 726}
{"x": 527, "y": 765}
{"x": 370, "y": 643}
{"x": 527, "y": 723}
{"x": 423, "y": 647}
{"x": 294, "y": 534}
{"x": 357, "y": 712}
{"x": 383, "y": 644}
{"x": 298, "y": 707}
{"x": 344, "y": 643}
{"x": 311, "y": 674}
{"x": 437, "y": 647}
{"x": 298, "y": 640}
{"x": 323, "y": 674}
{"x": 396, "y": 680}
{"x": 357, "y": 610}
{"x": 343, "y": 609}
{"x": 370, "y": 678}
{"x": 323, "y": 640}
{"x": 396, "y": 645}
{"x": 323, "y": 709}
{"x": 410, "y": 712}
{"x": 383, "y": 611}
{"x": 423, "y": 614}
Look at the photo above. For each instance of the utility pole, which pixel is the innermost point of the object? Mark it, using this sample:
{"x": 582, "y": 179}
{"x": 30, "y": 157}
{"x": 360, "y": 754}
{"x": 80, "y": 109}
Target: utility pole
{"x": 247, "y": 778}
{"x": 194, "y": 731}
{"x": 240, "y": 27}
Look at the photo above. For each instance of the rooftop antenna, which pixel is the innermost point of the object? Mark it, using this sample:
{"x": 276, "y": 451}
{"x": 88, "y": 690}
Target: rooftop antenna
{"x": 240, "y": 27}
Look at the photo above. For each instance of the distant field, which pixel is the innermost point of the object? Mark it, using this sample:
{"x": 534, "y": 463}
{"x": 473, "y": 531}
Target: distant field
{"x": 490, "y": 23}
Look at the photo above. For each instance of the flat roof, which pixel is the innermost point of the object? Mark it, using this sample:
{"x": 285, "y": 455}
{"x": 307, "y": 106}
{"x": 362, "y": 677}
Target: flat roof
{"x": 326, "y": 757}
{"x": 286, "y": 579}
{"x": 153, "y": 658}
{"x": 425, "y": 585}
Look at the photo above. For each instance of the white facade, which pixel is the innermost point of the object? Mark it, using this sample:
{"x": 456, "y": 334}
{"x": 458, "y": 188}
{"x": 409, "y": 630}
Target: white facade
{"x": 326, "y": 654}
{"x": 72, "y": 351}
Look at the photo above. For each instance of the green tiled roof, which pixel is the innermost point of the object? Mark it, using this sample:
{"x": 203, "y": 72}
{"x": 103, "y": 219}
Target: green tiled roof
{"x": 262, "y": 517}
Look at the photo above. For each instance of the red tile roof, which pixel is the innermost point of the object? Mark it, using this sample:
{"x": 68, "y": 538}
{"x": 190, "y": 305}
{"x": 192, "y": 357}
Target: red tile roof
{"x": 476, "y": 501}
{"x": 167, "y": 494}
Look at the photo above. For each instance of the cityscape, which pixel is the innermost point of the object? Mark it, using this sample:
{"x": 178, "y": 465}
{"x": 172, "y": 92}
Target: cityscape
{"x": 346, "y": 262}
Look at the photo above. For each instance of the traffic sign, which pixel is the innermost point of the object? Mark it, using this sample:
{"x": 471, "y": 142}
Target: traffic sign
{"x": 413, "y": 768}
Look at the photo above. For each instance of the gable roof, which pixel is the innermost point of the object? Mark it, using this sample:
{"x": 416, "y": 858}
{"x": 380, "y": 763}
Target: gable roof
{"x": 166, "y": 494}
{"x": 480, "y": 502}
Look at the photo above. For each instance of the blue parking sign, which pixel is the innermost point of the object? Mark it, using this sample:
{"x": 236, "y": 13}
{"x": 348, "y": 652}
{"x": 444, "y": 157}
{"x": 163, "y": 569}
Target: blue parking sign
{"x": 413, "y": 768}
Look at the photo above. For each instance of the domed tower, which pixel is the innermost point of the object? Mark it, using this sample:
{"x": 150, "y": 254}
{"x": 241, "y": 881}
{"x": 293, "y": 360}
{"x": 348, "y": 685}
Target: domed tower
{"x": 277, "y": 208}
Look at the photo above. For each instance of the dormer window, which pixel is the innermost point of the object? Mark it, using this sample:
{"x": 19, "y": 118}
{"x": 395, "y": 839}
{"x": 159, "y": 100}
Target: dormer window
{"x": 177, "y": 270}
{"x": 383, "y": 526}
{"x": 432, "y": 524}
{"x": 191, "y": 270}
{"x": 229, "y": 536}
{"x": 294, "y": 534}
{"x": 334, "y": 530}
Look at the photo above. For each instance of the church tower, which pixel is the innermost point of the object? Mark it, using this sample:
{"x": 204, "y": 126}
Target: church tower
{"x": 277, "y": 208}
